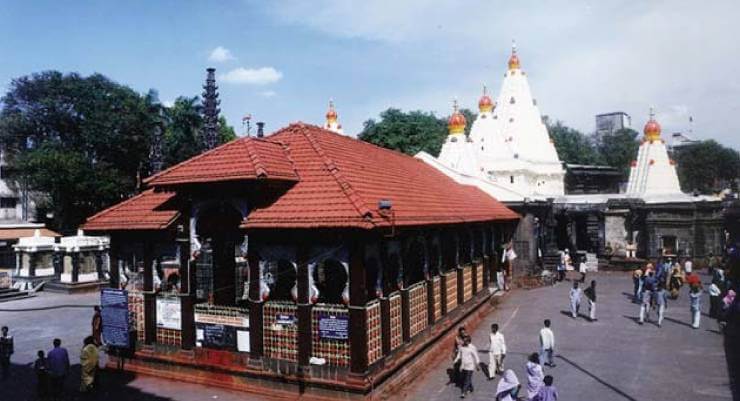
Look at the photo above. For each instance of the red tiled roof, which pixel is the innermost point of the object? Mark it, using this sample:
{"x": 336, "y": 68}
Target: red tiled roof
{"x": 20, "y": 232}
{"x": 137, "y": 213}
{"x": 240, "y": 159}
{"x": 343, "y": 179}
{"x": 341, "y": 183}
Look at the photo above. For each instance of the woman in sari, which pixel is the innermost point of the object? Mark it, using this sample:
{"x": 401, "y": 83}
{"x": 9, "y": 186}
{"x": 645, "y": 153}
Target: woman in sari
{"x": 508, "y": 387}
{"x": 89, "y": 364}
{"x": 535, "y": 375}
{"x": 676, "y": 281}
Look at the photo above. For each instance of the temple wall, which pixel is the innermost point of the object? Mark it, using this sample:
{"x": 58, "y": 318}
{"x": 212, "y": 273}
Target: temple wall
{"x": 615, "y": 232}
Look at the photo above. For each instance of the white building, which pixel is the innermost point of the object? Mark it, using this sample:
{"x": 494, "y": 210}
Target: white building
{"x": 508, "y": 146}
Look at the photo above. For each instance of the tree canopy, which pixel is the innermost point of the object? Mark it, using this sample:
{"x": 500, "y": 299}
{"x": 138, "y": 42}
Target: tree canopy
{"x": 707, "y": 166}
{"x": 84, "y": 142}
{"x": 409, "y": 132}
{"x": 572, "y": 146}
{"x": 618, "y": 149}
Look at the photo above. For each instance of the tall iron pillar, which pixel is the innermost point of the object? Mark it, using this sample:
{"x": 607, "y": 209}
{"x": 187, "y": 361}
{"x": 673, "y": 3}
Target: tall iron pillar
{"x": 209, "y": 135}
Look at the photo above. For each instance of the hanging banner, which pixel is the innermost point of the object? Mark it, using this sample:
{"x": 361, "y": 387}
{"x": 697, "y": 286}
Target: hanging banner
{"x": 114, "y": 312}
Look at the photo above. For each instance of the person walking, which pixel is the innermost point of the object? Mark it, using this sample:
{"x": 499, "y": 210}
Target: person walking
{"x": 88, "y": 364}
{"x": 40, "y": 366}
{"x": 459, "y": 342}
{"x": 6, "y": 350}
{"x": 508, "y": 387}
{"x": 467, "y": 355}
{"x": 548, "y": 392}
{"x": 661, "y": 302}
{"x": 714, "y": 300}
{"x": 688, "y": 266}
{"x": 590, "y": 294}
{"x": 97, "y": 326}
{"x": 647, "y": 297}
{"x": 582, "y": 268}
{"x": 637, "y": 285}
{"x": 535, "y": 375}
{"x": 695, "y": 301}
{"x": 547, "y": 345}
{"x": 58, "y": 362}
{"x": 575, "y": 299}
{"x": 496, "y": 352}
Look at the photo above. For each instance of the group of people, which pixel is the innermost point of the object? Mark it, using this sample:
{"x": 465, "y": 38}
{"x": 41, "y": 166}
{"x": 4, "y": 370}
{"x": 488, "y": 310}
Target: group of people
{"x": 52, "y": 368}
{"x": 575, "y": 296}
{"x": 656, "y": 283}
{"x": 540, "y": 387}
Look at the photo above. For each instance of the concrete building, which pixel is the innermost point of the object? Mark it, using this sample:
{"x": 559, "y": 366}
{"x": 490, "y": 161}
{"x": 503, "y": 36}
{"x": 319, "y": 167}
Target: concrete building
{"x": 609, "y": 123}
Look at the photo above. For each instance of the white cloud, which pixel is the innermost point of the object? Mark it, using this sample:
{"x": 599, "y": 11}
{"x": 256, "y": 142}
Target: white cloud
{"x": 268, "y": 93}
{"x": 168, "y": 103}
{"x": 583, "y": 57}
{"x": 221, "y": 55}
{"x": 252, "y": 76}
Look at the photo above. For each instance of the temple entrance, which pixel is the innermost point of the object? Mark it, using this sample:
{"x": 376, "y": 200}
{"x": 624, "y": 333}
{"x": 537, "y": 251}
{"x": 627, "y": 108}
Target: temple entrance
{"x": 218, "y": 228}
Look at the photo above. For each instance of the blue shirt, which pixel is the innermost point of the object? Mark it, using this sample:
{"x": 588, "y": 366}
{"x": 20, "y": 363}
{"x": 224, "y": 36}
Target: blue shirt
{"x": 58, "y": 362}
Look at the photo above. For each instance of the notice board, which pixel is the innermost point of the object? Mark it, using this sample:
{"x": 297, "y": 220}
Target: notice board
{"x": 114, "y": 312}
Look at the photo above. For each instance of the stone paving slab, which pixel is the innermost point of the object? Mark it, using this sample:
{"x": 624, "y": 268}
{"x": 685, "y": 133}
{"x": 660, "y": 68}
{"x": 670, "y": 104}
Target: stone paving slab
{"x": 611, "y": 359}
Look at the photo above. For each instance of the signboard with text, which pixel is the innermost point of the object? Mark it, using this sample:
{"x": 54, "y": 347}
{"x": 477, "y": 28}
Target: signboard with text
{"x": 333, "y": 327}
{"x": 168, "y": 313}
{"x": 114, "y": 312}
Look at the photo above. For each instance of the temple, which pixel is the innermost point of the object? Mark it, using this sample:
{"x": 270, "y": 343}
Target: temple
{"x": 510, "y": 155}
{"x": 305, "y": 261}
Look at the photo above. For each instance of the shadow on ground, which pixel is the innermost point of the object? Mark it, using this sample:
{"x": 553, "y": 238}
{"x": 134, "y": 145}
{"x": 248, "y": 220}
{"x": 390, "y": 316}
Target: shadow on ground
{"x": 113, "y": 385}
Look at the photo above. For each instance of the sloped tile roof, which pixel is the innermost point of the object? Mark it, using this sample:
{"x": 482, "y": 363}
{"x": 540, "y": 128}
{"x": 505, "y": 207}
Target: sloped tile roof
{"x": 343, "y": 179}
{"x": 138, "y": 213}
{"x": 240, "y": 159}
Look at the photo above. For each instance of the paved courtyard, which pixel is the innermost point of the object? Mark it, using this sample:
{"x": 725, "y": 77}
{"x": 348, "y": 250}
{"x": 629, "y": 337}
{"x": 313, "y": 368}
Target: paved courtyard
{"x": 612, "y": 359}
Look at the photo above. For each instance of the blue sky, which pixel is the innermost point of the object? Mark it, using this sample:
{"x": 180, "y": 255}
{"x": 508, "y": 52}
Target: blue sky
{"x": 287, "y": 58}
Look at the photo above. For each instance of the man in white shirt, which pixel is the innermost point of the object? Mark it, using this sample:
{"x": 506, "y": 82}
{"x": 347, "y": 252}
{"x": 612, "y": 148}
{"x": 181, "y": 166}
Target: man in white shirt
{"x": 688, "y": 266}
{"x": 467, "y": 355}
{"x": 496, "y": 352}
{"x": 547, "y": 345}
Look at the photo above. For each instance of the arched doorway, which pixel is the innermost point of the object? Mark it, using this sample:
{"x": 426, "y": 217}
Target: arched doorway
{"x": 218, "y": 227}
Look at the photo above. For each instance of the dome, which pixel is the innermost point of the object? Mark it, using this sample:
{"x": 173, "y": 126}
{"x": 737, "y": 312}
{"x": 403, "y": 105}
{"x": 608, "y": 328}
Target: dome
{"x": 456, "y": 123}
{"x": 514, "y": 59}
{"x": 652, "y": 129}
{"x": 331, "y": 114}
{"x": 485, "y": 104}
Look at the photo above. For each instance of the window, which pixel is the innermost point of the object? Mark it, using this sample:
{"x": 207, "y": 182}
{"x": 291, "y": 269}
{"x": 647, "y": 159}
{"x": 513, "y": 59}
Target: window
{"x": 8, "y": 203}
{"x": 330, "y": 278}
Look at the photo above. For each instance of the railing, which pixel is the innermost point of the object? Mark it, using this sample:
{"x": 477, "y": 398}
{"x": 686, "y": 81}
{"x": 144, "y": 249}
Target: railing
{"x": 467, "y": 273}
{"x": 374, "y": 333}
{"x": 396, "y": 321}
{"x": 280, "y": 331}
{"x": 451, "y": 286}
{"x": 418, "y": 310}
{"x": 437, "y": 284}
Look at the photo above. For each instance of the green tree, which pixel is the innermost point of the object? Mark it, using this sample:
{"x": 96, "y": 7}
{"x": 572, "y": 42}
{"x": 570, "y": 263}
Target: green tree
{"x": 572, "y": 146}
{"x": 409, "y": 132}
{"x": 706, "y": 166}
{"x": 619, "y": 148}
{"x": 184, "y": 121}
{"x": 81, "y": 141}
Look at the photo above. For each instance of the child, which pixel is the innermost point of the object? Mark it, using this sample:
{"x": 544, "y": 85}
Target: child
{"x": 547, "y": 345}
{"x": 548, "y": 392}
{"x": 42, "y": 375}
{"x": 661, "y": 301}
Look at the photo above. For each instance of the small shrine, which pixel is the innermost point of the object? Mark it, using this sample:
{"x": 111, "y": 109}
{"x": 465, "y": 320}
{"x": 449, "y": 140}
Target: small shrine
{"x": 82, "y": 259}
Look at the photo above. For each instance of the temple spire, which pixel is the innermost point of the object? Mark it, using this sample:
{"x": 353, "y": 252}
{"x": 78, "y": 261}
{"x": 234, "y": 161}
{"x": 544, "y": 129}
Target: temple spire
{"x": 456, "y": 123}
{"x": 332, "y": 119}
{"x": 209, "y": 134}
{"x": 486, "y": 104}
{"x": 514, "y": 63}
